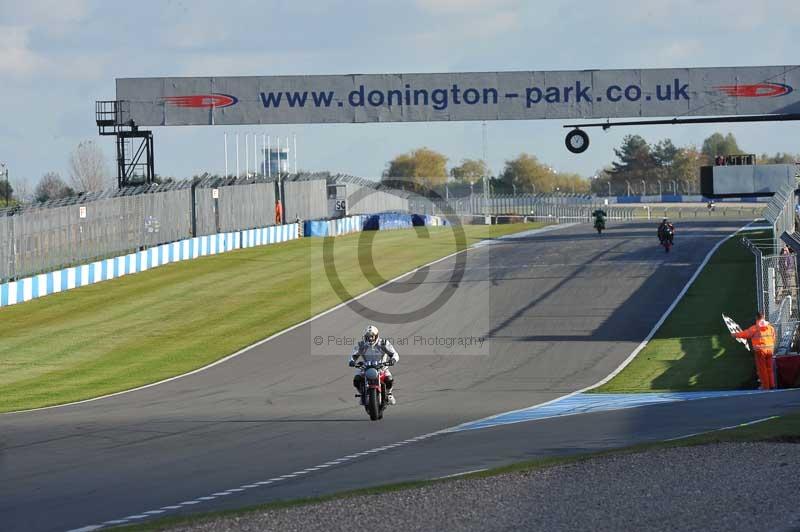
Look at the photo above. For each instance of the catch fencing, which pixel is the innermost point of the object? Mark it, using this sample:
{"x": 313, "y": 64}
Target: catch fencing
{"x": 777, "y": 281}
{"x": 568, "y": 208}
{"x": 779, "y": 293}
{"x": 780, "y": 213}
{"x": 52, "y": 235}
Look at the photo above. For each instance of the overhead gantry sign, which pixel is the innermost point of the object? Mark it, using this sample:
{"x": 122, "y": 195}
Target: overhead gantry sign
{"x": 525, "y": 95}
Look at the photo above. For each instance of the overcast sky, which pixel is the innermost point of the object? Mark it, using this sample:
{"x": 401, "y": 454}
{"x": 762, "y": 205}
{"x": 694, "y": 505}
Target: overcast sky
{"x": 58, "y": 56}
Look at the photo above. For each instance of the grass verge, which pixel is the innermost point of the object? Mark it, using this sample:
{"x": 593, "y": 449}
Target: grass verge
{"x": 692, "y": 350}
{"x": 143, "y": 328}
{"x": 784, "y": 429}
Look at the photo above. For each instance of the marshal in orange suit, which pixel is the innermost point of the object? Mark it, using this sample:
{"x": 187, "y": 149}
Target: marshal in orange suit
{"x": 762, "y": 337}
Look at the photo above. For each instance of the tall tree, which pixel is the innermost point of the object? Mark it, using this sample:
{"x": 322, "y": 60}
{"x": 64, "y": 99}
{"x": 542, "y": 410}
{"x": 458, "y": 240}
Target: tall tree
{"x": 686, "y": 170}
{"x": 527, "y": 174}
{"x": 573, "y": 183}
{"x": 635, "y": 159}
{"x": 664, "y": 153}
{"x": 50, "y": 187}
{"x": 717, "y": 144}
{"x": 422, "y": 166}
{"x": 470, "y": 170}
{"x": 635, "y": 164}
{"x": 88, "y": 168}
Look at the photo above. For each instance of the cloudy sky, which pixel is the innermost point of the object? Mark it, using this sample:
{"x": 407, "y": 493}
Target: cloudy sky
{"x": 58, "y": 56}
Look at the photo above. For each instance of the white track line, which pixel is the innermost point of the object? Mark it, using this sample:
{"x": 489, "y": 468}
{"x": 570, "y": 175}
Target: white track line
{"x": 456, "y": 475}
{"x": 477, "y": 245}
{"x": 258, "y": 484}
{"x": 724, "y": 428}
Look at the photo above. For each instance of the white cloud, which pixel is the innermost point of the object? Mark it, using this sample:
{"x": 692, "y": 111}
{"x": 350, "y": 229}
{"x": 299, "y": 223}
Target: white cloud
{"x": 17, "y": 60}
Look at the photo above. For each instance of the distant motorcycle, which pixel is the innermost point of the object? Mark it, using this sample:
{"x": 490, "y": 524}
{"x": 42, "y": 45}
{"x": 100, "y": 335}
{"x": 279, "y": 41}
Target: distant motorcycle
{"x": 599, "y": 220}
{"x": 666, "y": 240}
{"x": 373, "y": 389}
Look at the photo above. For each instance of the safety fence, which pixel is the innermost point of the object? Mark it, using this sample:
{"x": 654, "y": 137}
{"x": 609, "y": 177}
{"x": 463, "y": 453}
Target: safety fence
{"x": 48, "y": 236}
{"x": 777, "y": 279}
{"x": 780, "y": 213}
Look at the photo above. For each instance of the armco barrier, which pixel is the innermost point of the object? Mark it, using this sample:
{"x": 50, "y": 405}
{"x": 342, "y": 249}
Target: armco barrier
{"x": 59, "y": 281}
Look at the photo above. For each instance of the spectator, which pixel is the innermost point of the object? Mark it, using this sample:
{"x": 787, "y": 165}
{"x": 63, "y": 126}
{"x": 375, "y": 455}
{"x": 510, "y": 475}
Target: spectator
{"x": 762, "y": 337}
{"x": 278, "y": 212}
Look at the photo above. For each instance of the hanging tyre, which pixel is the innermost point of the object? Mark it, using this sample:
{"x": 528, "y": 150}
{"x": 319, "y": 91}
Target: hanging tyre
{"x": 577, "y": 141}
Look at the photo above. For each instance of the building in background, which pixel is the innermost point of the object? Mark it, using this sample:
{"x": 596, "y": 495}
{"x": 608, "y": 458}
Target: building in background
{"x": 277, "y": 159}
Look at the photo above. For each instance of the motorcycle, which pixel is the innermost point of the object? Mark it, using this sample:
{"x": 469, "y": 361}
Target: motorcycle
{"x": 599, "y": 221}
{"x": 373, "y": 389}
{"x": 666, "y": 240}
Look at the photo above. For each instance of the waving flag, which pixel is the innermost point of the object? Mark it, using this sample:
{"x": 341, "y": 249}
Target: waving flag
{"x": 733, "y": 327}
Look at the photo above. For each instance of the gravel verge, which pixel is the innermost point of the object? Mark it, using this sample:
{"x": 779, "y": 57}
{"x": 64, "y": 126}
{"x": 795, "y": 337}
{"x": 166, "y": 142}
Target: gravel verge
{"x": 725, "y": 487}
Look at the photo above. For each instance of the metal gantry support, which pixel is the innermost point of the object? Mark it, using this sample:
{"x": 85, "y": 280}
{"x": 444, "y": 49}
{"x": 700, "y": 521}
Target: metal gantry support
{"x": 135, "y": 161}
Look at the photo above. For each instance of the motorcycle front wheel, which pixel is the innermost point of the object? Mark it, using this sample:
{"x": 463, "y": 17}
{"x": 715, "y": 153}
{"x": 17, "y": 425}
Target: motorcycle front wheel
{"x": 373, "y": 405}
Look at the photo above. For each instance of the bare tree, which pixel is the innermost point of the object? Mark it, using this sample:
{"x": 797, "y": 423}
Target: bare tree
{"x": 88, "y": 168}
{"x": 51, "y": 186}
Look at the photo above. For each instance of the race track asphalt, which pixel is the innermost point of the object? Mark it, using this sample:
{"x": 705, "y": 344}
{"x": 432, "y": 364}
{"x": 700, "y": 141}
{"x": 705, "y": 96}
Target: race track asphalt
{"x": 558, "y": 310}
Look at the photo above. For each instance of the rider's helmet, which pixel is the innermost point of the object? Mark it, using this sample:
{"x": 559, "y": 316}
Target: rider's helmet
{"x": 665, "y": 220}
{"x": 371, "y": 334}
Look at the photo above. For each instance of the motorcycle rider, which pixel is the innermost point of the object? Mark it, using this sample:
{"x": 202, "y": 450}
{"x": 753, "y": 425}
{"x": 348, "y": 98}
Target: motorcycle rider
{"x": 666, "y": 231}
{"x": 599, "y": 219}
{"x": 375, "y": 349}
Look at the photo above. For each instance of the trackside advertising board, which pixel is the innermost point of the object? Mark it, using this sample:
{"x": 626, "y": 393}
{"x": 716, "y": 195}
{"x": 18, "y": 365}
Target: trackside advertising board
{"x": 728, "y": 91}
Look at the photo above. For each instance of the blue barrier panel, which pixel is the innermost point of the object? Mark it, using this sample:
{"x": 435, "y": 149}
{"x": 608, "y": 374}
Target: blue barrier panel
{"x": 629, "y": 199}
{"x": 419, "y": 219}
{"x": 372, "y": 223}
{"x": 390, "y": 220}
{"x": 315, "y": 228}
{"x": 672, "y": 198}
